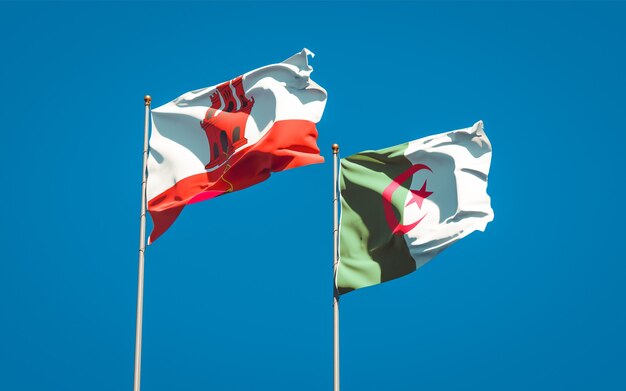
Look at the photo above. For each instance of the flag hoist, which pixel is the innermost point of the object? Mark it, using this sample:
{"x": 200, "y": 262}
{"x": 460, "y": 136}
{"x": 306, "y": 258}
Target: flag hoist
{"x": 224, "y": 138}
{"x": 142, "y": 247}
{"x": 335, "y": 261}
{"x": 401, "y": 206}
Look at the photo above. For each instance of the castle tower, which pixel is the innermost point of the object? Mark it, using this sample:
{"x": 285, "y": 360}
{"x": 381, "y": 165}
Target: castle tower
{"x": 225, "y": 121}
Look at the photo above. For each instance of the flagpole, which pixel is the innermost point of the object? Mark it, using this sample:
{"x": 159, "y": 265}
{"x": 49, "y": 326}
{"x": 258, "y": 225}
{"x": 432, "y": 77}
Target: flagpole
{"x": 335, "y": 261}
{"x": 142, "y": 247}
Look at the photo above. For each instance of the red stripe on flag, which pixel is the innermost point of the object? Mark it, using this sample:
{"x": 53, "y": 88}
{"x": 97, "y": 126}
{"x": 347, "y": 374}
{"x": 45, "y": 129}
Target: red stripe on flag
{"x": 287, "y": 144}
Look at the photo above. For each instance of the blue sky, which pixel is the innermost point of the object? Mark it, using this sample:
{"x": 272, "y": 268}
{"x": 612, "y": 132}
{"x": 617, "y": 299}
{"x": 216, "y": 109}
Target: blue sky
{"x": 238, "y": 292}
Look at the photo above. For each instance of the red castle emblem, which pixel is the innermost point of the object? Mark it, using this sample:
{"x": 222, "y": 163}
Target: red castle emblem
{"x": 225, "y": 121}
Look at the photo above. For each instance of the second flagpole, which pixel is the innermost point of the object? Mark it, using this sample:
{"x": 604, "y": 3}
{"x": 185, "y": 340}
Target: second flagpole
{"x": 335, "y": 261}
{"x": 142, "y": 248}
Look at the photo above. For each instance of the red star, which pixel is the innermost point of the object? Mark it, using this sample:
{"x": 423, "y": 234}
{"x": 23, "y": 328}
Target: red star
{"x": 418, "y": 196}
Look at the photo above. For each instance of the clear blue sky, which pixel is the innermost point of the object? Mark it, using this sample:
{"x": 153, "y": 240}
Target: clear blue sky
{"x": 238, "y": 293}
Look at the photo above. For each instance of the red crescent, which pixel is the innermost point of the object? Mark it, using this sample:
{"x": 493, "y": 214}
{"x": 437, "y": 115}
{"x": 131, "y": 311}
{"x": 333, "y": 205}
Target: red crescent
{"x": 396, "y": 227}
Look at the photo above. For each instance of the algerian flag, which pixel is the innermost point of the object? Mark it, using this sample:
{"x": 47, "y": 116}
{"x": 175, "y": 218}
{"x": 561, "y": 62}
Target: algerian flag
{"x": 401, "y": 206}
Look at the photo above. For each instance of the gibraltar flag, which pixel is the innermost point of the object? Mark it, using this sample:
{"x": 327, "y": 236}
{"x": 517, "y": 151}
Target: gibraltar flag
{"x": 219, "y": 139}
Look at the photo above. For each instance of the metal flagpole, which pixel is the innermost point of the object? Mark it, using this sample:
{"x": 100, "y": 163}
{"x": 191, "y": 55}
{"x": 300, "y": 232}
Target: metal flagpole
{"x": 335, "y": 260}
{"x": 142, "y": 247}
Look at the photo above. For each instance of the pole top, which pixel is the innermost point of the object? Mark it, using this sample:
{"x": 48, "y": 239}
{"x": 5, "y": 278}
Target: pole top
{"x": 335, "y": 148}
{"x": 147, "y": 99}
